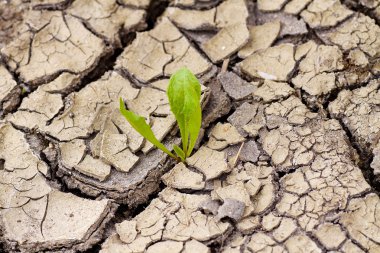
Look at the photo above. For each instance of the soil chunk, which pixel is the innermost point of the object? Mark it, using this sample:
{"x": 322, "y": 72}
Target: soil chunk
{"x": 52, "y": 42}
{"x": 160, "y": 52}
{"x": 226, "y": 42}
{"x": 261, "y": 37}
{"x": 108, "y": 18}
{"x": 274, "y": 63}
{"x": 349, "y": 35}
{"x": 325, "y": 13}
{"x": 235, "y": 87}
{"x": 35, "y": 216}
{"x": 10, "y": 91}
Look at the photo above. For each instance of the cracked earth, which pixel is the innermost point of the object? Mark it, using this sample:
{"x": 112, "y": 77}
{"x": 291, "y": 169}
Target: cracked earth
{"x": 288, "y": 159}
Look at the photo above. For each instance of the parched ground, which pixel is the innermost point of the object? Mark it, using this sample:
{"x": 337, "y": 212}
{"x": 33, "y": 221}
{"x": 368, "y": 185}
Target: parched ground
{"x": 288, "y": 159}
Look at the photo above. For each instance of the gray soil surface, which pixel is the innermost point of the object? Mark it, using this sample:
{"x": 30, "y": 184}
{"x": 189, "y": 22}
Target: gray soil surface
{"x": 288, "y": 159}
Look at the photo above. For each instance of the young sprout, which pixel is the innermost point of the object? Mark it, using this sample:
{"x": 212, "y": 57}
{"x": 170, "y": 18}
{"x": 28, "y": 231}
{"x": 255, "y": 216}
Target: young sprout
{"x": 184, "y": 93}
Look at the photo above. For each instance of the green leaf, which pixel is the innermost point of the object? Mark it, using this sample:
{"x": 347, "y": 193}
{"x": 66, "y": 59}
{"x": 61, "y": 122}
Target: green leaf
{"x": 194, "y": 128}
{"x": 139, "y": 124}
{"x": 184, "y": 93}
{"x": 179, "y": 152}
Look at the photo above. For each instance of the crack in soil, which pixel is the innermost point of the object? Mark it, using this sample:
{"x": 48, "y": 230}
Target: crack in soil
{"x": 363, "y": 161}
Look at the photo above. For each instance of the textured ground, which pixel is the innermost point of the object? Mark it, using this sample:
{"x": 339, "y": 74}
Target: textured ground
{"x": 289, "y": 155}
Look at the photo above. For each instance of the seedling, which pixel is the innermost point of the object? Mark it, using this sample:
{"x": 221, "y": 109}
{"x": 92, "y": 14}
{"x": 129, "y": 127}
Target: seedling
{"x": 184, "y": 93}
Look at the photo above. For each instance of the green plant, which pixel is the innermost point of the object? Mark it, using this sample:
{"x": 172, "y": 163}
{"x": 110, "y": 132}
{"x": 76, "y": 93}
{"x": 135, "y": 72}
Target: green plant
{"x": 184, "y": 93}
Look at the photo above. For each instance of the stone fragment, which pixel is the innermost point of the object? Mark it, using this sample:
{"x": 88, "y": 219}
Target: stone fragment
{"x": 242, "y": 115}
{"x": 94, "y": 168}
{"x": 274, "y": 63}
{"x": 236, "y": 192}
{"x": 325, "y": 13}
{"x": 180, "y": 177}
{"x": 210, "y": 206}
{"x": 210, "y": 162}
{"x": 235, "y": 87}
{"x": 231, "y": 208}
{"x": 261, "y": 37}
{"x": 219, "y": 104}
{"x": 226, "y": 42}
{"x": 248, "y": 153}
{"x": 290, "y": 25}
{"x": 271, "y": 91}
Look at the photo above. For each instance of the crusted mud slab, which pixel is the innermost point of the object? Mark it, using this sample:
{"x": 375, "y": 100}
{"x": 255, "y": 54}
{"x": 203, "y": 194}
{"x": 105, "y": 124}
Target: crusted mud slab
{"x": 288, "y": 159}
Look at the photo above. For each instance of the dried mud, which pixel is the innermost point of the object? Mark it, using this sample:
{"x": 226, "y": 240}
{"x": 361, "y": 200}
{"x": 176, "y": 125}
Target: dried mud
{"x": 288, "y": 158}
